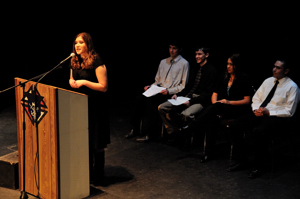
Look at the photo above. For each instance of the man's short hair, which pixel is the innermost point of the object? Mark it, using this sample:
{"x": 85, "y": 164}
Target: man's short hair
{"x": 286, "y": 64}
{"x": 176, "y": 42}
{"x": 204, "y": 49}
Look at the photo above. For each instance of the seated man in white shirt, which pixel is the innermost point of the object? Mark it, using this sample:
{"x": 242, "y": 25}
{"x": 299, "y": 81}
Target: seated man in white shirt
{"x": 172, "y": 74}
{"x": 271, "y": 113}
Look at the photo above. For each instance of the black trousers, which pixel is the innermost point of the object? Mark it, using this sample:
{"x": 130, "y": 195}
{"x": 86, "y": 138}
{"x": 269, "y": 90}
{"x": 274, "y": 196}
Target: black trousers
{"x": 146, "y": 109}
{"x": 262, "y": 130}
{"x": 207, "y": 121}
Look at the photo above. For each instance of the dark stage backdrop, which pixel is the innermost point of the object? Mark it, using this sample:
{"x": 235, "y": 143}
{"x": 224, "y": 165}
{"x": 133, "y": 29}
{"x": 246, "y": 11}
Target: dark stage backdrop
{"x": 132, "y": 39}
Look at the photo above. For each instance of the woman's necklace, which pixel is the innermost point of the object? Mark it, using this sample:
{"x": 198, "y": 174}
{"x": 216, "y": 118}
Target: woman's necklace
{"x": 230, "y": 84}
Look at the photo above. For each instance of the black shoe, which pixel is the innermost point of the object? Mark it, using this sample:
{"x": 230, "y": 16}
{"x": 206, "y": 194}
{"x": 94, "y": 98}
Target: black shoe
{"x": 131, "y": 134}
{"x": 235, "y": 167}
{"x": 203, "y": 158}
{"x": 255, "y": 173}
{"x": 174, "y": 140}
{"x": 103, "y": 181}
{"x": 143, "y": 139}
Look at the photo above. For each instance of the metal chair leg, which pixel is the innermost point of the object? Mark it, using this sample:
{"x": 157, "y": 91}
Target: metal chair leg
{"x": 204, "y": 144}
{"x": 231, "y": 151}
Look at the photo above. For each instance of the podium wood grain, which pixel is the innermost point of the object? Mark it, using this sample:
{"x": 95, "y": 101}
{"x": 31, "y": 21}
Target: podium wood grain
{"x": 43, "y": 171}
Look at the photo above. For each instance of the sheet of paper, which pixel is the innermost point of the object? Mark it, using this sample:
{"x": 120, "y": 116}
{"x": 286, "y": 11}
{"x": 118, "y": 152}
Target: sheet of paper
{"x": 179, "y": 100}
{"x": 153, "y": 90}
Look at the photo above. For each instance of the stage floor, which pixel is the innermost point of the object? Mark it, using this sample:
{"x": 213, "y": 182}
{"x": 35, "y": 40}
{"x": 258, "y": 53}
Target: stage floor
{"x": 158, "y": 170}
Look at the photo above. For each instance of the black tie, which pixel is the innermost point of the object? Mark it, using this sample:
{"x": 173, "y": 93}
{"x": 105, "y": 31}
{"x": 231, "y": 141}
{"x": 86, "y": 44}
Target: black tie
{"x": 270, "y": 95}
{"x": 172, "y": 62}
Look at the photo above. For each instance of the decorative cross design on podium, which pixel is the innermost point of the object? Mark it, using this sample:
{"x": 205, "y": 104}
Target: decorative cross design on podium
{"x": 34, "y": 105}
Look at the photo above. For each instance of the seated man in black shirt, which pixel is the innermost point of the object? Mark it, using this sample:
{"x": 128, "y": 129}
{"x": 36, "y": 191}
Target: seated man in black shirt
{"x": 199, "y": 90}
{"x": 230, "y": 99}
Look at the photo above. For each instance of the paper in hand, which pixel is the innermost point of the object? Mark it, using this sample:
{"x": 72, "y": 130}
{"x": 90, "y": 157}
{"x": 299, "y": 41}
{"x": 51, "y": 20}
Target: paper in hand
{"x": 179, "y": 100}
{"x": 153, "y": 90}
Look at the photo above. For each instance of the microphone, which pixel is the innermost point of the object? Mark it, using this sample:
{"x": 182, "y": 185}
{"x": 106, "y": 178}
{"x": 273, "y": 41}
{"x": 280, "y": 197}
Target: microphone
{"x": 71, "y": 55}
{"x": 43, "y": 75}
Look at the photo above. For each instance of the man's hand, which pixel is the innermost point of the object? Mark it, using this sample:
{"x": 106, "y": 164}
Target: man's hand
{"x": 174, "y": 97}
{"x": 146, "y": 88}
{"x": 187, "y": 103}
{"x": 164, "y": 92}
{"x": 262, "y": 111}
{"x": 258, "y": 113}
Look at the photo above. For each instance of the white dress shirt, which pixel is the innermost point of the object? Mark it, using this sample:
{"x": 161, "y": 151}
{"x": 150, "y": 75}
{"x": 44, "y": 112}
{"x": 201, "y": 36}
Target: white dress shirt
{"x": 284, "y": 101}
{"x": 173, "y": 76}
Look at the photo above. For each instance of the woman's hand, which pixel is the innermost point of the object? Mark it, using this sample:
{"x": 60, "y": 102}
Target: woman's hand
{"x": 76, "y": 84}
{"x": 73, "y": 83}
{"x": 223, "y": 101}
{"x": 80, "y": 83}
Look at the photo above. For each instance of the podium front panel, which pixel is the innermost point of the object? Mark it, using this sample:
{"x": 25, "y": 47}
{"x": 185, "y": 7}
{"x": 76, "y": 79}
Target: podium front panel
{"x": 73, "y": 145}
{"x": 56, "y": 149}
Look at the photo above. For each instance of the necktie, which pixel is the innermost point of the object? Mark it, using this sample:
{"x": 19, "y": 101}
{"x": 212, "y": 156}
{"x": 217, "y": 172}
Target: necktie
{"x": 172, "y": 62}
{"x": 197, "y": 80}
{"x": 270, "y": 95}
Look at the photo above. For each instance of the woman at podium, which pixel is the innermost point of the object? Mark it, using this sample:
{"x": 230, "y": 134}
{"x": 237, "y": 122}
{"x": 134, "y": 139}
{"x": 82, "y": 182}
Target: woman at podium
{"x": 89, "y": 76}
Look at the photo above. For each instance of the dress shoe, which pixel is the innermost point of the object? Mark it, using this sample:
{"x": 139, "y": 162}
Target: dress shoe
{"x": 131, "y": 134}
{"x": 143, "y": 139}
{"x": 254, "y": 173}
{"x": 203, "y": 158}
{"x": 235, "y": 167}
{"x": 104, "y": 181}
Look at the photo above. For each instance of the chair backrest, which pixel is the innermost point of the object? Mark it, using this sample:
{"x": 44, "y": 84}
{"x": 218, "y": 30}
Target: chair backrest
{"x": 296, "y": 114}
{"x": 296, "y": 117}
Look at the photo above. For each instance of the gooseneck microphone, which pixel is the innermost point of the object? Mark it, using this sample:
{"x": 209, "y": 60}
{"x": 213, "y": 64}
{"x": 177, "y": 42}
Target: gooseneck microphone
{"x": 71, "y": 55}
{"x": 40, "y": 76}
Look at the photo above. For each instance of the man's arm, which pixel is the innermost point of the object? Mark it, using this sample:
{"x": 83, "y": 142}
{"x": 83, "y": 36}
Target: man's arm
{"x": 184, "y": 80}
{"x": 158, "y": 75}
{"x": 289, "y": 108}
{"x": 257, "y": 98}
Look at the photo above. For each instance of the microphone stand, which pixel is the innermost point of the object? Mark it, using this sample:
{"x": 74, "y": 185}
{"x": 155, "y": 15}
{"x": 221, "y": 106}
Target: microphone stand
{"x": 22, "y": 84}
{"x": 40, "y": 77}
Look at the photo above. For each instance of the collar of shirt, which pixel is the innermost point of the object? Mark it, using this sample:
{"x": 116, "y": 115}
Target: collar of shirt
{"x": 281, "y": 81}
{"x": 204, "y": 66}
{"x": 176, "y": 59}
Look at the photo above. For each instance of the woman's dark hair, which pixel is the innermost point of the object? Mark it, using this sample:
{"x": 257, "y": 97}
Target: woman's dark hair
{"x": 92, "y": 60}
{"x": 236, "y": 62}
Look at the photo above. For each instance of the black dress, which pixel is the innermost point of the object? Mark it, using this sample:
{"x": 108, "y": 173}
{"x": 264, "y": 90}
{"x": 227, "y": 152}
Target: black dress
{"x": 207, "y": 120}
{"x": 99, "y": 132}
{"x": 240, "y": 88}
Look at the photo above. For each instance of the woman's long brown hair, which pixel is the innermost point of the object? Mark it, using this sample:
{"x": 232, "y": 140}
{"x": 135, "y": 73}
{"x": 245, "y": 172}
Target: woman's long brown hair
{"x": 91, "y": 60}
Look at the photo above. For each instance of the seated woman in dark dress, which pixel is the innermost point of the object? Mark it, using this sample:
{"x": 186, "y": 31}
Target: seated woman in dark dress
{"x": 89, "y": 76}
{"x": 230, "y": 99}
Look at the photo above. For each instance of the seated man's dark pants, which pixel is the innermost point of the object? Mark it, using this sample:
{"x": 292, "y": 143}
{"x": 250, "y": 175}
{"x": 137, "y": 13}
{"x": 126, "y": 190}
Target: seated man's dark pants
{"x": 261, "y": 130}
{"x": 146, "y": 110}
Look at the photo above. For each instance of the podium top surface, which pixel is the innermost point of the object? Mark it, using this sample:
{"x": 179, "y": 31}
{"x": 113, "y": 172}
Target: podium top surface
{"x": 23, "y": 80}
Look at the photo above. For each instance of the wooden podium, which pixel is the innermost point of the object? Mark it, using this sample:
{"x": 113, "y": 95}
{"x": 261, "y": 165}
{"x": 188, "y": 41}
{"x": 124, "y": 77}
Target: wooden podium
{"x": 56, "y": 143}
